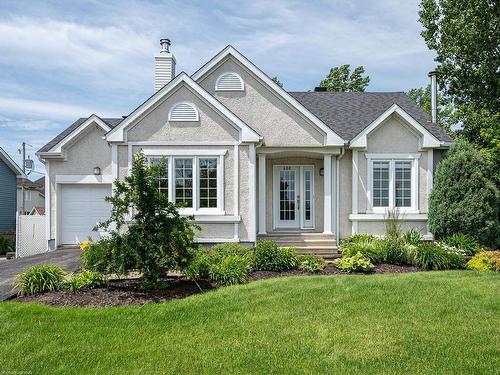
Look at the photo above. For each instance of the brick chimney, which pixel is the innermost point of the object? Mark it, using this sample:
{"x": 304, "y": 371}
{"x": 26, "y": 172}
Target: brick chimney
{"x": 164, "y": 65}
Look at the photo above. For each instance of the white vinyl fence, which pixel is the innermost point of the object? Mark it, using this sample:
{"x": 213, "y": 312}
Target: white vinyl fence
{"x": 30, "y": 235}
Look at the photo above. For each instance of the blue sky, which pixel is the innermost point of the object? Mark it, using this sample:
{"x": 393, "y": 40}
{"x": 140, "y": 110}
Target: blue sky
{"x": 62, "y": 60}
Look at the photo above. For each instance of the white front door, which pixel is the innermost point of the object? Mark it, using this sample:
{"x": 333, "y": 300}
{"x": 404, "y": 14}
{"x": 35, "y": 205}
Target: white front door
{"x": 293, "y": 196}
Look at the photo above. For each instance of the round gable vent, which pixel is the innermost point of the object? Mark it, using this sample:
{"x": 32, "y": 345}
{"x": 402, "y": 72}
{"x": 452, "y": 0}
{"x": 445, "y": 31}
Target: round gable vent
{"x": 229, "y": 82}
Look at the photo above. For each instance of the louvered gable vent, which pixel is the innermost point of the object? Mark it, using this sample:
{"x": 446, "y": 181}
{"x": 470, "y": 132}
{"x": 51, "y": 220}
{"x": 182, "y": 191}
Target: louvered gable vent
{"x": 183, "y": 112}
{"x": 229, "y": 82}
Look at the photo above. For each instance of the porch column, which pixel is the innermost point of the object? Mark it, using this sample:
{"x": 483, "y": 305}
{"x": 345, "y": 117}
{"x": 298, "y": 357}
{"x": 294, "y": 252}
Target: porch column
{"x": 262, "y": 194}
{"x": 327, "y": 207}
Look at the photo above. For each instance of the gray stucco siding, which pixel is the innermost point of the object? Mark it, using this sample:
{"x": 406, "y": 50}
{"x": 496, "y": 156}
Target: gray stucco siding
{"x": 262, "y": 110}
{"x": 155, "y": 126}
{"x": 8, "y": 198}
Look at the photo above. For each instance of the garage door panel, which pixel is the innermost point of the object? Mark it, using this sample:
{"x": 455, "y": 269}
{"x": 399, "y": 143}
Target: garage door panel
{"x": 82, "y": 207}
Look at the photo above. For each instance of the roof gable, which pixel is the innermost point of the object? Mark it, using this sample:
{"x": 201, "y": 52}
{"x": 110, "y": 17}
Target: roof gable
{"x": 332, "y": 138}
{"x": 118, "y": 134}
{"x": 428, "y": 140}
{"x": 11, "y": 163}
{"x": 348, "y": 113}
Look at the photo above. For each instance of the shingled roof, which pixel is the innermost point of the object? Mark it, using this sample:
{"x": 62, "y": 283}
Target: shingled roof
{"x": 348, "y": 113}
{"x": 112, "y": 122}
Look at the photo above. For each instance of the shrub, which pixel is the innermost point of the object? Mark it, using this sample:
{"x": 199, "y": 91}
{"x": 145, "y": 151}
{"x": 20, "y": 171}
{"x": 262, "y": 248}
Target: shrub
{"x": 84, "y": 279}
{"x": 358, "y": 237}
{"x": 485, "y": 261}
{"x": 310, "y": 263}
{"x": 7, "y": 244}
{"x": 231, "y": 269}
{"x": 463, "y": 199}
{"x": 199, "y": 267}
{"x": 108, "y": 255}
{"x": 355, "y": 263}
{"x": 397, "y": 251}
{"x": 430, "y": 256}
{"x": 230, "y": 248}
{"x": 464, "y": 242}
{"x": 156, "y": 232}
{"x": 412, "y": 237}
{"x": 370, "y": 247}
{"x": 40, "y": 279}
{"x": 269, "y": 257}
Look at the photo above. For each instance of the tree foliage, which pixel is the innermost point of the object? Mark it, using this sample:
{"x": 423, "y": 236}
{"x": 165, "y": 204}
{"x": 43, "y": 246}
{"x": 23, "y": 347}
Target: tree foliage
{"x": 341, "y": 79}
{"x": 159, "y": 236}
{"x": 466, "y": 37}
{"x": 463, "y": 199}
{"x": 422, "y": 96}
{"x": 277, "y": 81}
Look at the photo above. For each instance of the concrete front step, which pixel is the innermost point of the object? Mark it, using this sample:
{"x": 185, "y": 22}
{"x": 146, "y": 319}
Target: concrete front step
{"x": 315, "y": 243}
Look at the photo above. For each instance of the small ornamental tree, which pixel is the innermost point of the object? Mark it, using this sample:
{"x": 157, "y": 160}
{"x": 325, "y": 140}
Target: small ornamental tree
{"x": 463, "y": 199}
{"x": 147, "y": 223}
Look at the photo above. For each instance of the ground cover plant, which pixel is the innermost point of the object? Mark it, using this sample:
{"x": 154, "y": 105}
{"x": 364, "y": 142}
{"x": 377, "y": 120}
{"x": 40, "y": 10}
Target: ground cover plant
{"x": 485, "y": 261}
{"x": 413, "y": 323}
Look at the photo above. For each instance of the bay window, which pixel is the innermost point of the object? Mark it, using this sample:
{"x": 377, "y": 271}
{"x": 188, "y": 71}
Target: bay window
{"x": 392, "y": 182}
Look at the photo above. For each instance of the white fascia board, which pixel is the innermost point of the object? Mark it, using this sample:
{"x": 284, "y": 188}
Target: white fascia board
{"x": 247, "y": 134}
{"x": 429, "y": 141}
{"x": 91, "y": 120}
{"x": 11, "y": 164}
{"x": 332, "y": 138}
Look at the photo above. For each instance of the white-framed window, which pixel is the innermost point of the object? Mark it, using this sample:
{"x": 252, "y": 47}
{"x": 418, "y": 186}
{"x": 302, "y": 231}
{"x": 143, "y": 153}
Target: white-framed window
{"x": 229, "y": 82}
{"x": 183, "y": 112}
{"x": 196, "y": 181}
{"x": 27, "y": 195}
{"x": 163, "y": 178}
{"x": 392, "y": 182}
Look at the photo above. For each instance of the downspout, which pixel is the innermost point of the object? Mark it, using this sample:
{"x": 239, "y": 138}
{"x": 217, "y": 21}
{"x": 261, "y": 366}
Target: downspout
{"x": 337, "y": 195}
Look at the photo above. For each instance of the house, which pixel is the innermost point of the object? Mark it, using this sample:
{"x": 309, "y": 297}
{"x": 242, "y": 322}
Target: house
{"x": 34, "y": 194}
{"x": 37, "y": 211}
{"x": 249, "y": 159}
{"x": 9, "y": 172}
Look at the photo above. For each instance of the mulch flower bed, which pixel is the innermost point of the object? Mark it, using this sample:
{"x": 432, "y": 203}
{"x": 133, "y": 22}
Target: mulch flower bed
{"x": 128, "y": 292}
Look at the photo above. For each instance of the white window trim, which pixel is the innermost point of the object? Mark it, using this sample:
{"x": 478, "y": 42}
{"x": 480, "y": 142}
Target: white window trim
{"x": 392, "y": 158}
{"x": 195, "y": 210}
{"x": 217, "y": 88}
{"x": 186, "y": 120}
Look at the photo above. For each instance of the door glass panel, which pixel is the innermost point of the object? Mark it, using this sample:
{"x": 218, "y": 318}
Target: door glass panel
{"x": 287, "y": 195}
{"x": 307, "y": 194}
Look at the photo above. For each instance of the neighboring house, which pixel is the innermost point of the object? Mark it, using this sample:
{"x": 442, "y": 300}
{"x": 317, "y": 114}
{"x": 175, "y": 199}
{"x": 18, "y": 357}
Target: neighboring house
{"x": 34, "y": 194}
{"x": 37, "y": 211}
{"x": 250, "y": 159}
{"x": 9, "y": 172}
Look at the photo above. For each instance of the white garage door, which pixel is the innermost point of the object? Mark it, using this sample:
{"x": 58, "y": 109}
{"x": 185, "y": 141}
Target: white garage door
{"x": 82, "y": 207}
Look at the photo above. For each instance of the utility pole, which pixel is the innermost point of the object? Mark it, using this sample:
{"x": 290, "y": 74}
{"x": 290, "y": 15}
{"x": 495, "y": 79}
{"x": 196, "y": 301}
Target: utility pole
{"x": 22, "y": 178}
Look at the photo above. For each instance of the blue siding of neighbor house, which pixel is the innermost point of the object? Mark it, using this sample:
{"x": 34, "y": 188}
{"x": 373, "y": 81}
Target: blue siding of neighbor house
{"x": 8, "y": 197}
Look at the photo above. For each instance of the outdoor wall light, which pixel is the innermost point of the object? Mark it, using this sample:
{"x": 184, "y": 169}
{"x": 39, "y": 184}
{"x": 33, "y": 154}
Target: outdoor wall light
{"x": 322, "y": 171}
{"x": 97, "y": 171}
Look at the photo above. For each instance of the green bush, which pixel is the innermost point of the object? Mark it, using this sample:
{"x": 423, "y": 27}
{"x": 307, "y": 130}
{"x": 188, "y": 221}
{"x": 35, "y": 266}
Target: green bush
{"x": 358, "y": 237}
{"x": 371, "y": 248}
{"x": 485, "y": 261}
{"x": 7, "y": 245}
{"x": 397, "y": 251}
{"x": 463, "y": 199}
{"x": 230, "y": 248}
{"x": 430, "y": 256}
{"x": 269, "y": 257}
{"x": 310, "y": 263}
{"x": 412, "y": 237}
{"x": 464, "y": 242}
{"x": 199, "y": 267}
{"x": 108, "y": 255}
{"x": 356, "y": 263}
{"x": 84, "y": 279}
{"x": 231, "y": 269}
{"x": 40, "y": 279}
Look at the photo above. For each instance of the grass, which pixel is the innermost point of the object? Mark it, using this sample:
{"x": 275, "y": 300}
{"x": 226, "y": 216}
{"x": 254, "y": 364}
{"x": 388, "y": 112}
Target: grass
{"x": 420, "y": 323}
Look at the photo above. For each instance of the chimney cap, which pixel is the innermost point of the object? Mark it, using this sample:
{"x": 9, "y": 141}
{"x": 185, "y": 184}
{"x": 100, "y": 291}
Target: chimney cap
{"x": 320, "y": 89}
{"x": 433, "y": 73}
{"x": 165, "y": 45}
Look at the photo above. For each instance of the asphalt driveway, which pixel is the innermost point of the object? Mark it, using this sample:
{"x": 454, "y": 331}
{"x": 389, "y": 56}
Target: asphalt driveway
{"x": 69, "y": 259}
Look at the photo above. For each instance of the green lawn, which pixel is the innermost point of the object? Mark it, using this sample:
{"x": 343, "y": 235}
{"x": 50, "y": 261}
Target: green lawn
{"x": 421, "y": 323}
